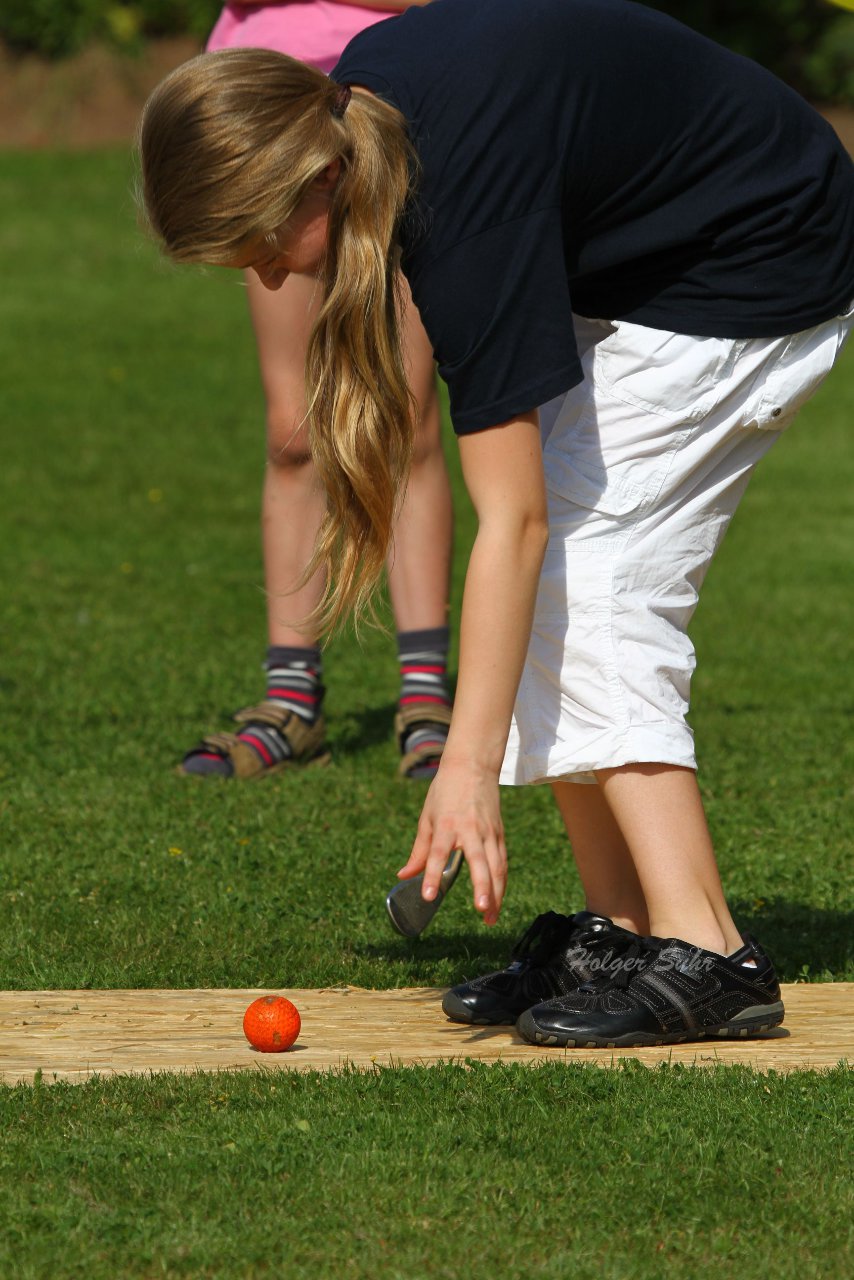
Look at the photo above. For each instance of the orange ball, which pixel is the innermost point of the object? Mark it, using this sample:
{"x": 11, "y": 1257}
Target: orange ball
{"x": 271, "y": 1024}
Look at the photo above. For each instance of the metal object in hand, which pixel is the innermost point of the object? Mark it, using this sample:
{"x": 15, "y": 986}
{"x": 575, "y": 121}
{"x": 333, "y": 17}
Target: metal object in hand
{"x": 408, "y": 911}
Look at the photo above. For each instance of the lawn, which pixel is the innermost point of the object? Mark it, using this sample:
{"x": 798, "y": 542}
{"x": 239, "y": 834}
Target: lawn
{"x": 133, "y": 619}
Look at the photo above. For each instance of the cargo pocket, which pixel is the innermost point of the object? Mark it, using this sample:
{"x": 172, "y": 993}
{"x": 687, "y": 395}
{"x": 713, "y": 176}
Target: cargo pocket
{"x": 588, "y": 503}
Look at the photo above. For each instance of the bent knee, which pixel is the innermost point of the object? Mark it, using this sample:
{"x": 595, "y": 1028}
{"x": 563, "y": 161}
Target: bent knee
{"x": 427, "y": 445}
{"x": 287, "y": 440}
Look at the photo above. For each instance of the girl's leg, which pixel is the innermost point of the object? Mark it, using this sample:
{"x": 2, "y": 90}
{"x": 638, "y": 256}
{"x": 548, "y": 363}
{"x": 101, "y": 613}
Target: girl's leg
{"x": 660, "y": 813}
{"x": 605, "y": 865}
{"x": 419, "y": 564}
{"x": 288, "y": 726}
{"x": 419, "y": 567}
{"x": 645, "y": 856}
{"x": 292, "y": 501}
{"x": 558, "y": 953}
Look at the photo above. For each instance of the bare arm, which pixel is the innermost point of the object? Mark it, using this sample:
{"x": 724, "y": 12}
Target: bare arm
{"x": 504, "y": 473}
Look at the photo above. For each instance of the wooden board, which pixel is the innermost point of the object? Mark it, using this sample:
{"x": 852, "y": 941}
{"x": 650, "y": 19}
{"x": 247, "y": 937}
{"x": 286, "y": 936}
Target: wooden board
{"x": 70, "y": 1035}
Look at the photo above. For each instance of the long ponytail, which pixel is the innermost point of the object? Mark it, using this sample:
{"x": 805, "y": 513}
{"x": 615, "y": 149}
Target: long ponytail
{"x": 229, "y": 144}
{"x": 355, "y": 373}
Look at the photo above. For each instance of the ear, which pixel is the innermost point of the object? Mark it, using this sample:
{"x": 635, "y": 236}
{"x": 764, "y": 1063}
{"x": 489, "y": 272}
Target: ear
{"x": 326, "y": 180}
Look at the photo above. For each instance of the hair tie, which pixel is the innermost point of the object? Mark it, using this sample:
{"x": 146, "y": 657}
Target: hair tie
{"x": 342, "y": 98}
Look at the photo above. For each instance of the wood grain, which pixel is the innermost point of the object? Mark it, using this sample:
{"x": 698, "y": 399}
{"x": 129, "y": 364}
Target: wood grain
{"x": 71, "y": 1035}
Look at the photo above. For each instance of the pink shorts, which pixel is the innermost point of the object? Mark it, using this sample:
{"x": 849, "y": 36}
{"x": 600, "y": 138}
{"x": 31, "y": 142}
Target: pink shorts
{"x": 314, "y": 31}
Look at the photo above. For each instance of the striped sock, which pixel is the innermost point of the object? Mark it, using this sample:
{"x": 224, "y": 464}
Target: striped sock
{"x": 423, "y": 657}
{"x": 293, "y": 681}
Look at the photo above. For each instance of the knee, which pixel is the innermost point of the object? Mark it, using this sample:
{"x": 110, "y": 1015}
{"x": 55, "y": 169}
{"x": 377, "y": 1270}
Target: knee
{"x": 287, "y": 440}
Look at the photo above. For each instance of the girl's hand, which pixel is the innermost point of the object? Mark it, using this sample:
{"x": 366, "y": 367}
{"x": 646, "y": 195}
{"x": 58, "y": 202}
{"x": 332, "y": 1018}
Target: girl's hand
{"x": 462, "y": 811}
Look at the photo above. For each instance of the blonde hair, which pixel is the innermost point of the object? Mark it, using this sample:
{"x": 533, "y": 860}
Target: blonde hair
{"x": 229, "y": 144}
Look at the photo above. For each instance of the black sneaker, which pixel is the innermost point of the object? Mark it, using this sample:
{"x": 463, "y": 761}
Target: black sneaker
{"x": 665, "y": 992}
{"x": 554, "y": 956}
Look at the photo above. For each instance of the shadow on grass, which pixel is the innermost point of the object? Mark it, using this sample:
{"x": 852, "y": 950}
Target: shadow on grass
{"x": 353, "y": 731}
{"x": 470, "y": 954}
{"x": 815, "y": 943}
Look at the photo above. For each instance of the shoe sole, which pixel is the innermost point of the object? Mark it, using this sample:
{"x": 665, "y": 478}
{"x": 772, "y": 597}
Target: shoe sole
{"x": 750, "y": 1022}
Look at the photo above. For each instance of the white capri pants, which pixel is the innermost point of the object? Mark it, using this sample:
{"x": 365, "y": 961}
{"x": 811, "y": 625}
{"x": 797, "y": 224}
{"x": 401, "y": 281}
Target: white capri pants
{"x": 645, "y": 463}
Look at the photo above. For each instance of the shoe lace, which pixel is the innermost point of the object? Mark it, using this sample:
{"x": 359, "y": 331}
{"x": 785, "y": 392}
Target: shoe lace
{"x": 542, "y": 938}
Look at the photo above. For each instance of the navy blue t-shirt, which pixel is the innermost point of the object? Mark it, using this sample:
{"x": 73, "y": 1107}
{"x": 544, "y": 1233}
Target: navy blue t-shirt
{"x": 596, "y": 156}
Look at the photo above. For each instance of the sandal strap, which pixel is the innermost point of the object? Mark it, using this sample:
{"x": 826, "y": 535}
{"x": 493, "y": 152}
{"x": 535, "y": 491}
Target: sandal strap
{"x": 304, "y": 738}
{"x": 413, "y": 713}
{"x": 223, "y": 743}
{"x": 418, "y": 755}
{"x": 419, "y": 713}
{"x": 274, "y": 714}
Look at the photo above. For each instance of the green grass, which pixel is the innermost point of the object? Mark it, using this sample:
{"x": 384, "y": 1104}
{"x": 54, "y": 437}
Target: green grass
{"x": 133, "y": 618}
{"x": 482, "y": 1173}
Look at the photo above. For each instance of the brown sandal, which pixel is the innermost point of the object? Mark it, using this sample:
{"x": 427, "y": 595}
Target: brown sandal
{"x": 423, "y": 759}
{"x": 307, "y": 743}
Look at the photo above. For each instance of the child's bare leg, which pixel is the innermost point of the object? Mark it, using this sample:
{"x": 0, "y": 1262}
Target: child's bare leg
{"x": 291, "y": 511}
{"x": 419, "y": 570}
{"x": 419, "y": 564}
{"x": 608, "y": 876}
{"x": 292, "y": 502}
{"x": 660, "y": 812}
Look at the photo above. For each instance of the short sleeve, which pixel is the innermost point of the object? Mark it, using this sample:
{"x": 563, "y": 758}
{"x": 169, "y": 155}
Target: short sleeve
{"x": 497, "y": 309}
